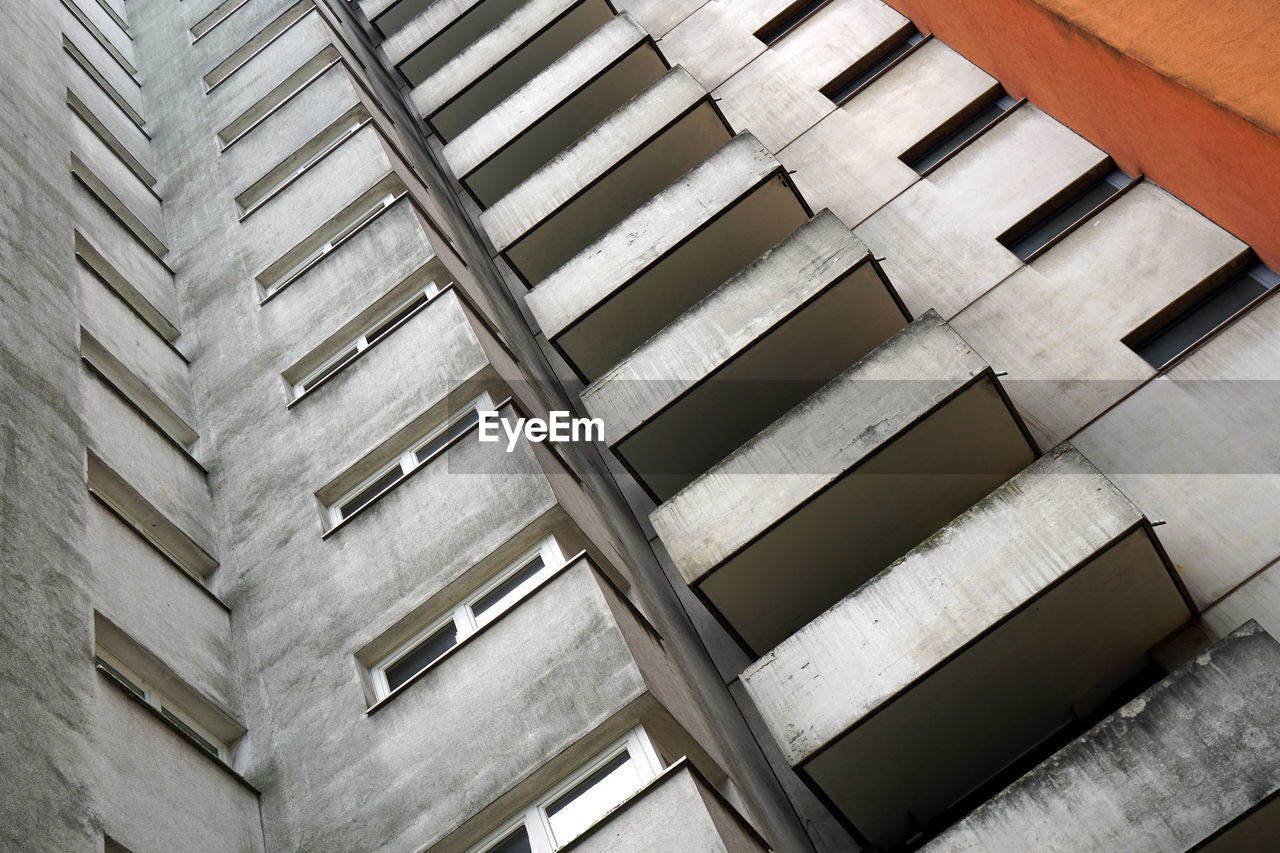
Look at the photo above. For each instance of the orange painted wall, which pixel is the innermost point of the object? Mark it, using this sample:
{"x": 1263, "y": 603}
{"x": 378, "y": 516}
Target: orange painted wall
{"x": 1186, "y": 92}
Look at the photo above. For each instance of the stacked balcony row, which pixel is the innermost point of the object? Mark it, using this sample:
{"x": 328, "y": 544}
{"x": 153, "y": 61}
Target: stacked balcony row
{"x": 852, "y": 494}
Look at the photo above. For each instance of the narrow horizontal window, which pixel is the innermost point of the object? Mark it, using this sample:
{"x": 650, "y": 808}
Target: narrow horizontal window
{"x": 355, "y": 221}
{"x": 1190, "y": 327}
{"x": 380, "y": 328}
{"x": 420, "y": 454}
{"x": 791, "y": 17}
{"x": 582, "y": 800}
{"x": 961, "y": 136}
{"x": 163, "y": 705}
{"x": 422, "y": 655}
{"x": 500, "y": 594}
{"x": 220, "y": 13}
{"x": 1036, "y": 236}
{"x": 863, "y": 73}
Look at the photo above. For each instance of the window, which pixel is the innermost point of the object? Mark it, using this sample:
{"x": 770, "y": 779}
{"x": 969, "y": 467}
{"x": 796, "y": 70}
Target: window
{"x": 409, "y": 461}
{"x": 581, "y": 801}
{"x": 173, "y": 715}
{"x": 961, "y": 136}
{"x": 791, "y": 17}
{"x": 379, "y": 329}
{"x": 1033, "y": 238}
{"x": 372, "y": 212}
{"x": 1191, "y": 326}
{"x": 864, "y": 73}
{"x": 496, "y": 597}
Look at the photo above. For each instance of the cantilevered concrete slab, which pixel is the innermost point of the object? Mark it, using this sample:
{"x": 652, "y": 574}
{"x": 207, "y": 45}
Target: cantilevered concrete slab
{"x": 1191, "y": 764}
{"x": 745, "y": 355}
{"x": 498, "y": 63}
{"x": 1027, "y": 611}
{"x": 443, "y": 27}
{"x": 547, "y": 114}
{"x": 632, "y": 155}
{"x": 848, "y": 481}
{"x": 668, "y": 254}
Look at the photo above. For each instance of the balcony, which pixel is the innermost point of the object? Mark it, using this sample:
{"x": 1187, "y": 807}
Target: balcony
{"x": 495, "y": 65}
{"x": 1003, "y": 630}
{"x": 641, "y": 149}
{"x": 849, "y": 480}
{"x": 745, "y": 355}
{"x": 1193, "y": 763}
{"x": 667, "y": 255}
{"x": 547, "y": 114}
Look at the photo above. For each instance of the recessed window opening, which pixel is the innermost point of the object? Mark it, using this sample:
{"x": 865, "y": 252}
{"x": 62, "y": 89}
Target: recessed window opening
{"x": 791, "y": 17}
{"x": 496, "y": 597}
{"x": 962, "y": 136}
{"x": 582, "y": 800}
{"x": 860, "y": 75}
{"x": 163, "y": 705}
{"x": 311, "y": 153}
{"x": 409, "y": 461}
{"x": 1059, "y": 221}
{"x": 372, "y": 212}
{"x": 1217, "y": 309}
{"x": 206, "y": 24}
{"x": 380, "y": 328}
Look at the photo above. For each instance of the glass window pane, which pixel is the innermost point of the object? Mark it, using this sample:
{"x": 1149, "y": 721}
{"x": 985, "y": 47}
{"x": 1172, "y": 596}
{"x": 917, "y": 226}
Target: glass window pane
{"x": 1202, "y": 318}
{"x": 488, "y": 606}
{"x": 125, "y": 680}
{"x": 1068, "y": 214}
{"x": 962, "y": 134}
{"x": 455, "y": 429}
{"x": 588, "y": 801}
{"x": 839, "y": 92}
{"x": 516, "y": 842}
{"x": 371, "y": 491}
{"x": 190, "y": 732}
{"x": 391, "y": 321}
{"x": 423, "y": 655}
{"x": 333, "y": 367}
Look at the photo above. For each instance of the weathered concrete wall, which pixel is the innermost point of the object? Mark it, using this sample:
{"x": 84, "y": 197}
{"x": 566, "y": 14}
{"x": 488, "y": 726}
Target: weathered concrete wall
{"x": 1164, "y": 772}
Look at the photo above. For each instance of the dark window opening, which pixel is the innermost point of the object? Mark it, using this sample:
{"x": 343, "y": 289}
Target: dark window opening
{"x": 961, "y": 136}
{"x": 791, "y": 17}
{"x": 372, "y": 491}
{"x": 455, "y": 429}
{"x": 866, "y": 70}
{"x": 422, "y": 656}
{"x": 1061, "y": 220}
{"x": 1191, "y": 326}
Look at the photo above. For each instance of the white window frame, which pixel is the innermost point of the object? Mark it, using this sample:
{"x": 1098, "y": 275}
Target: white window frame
{"x": 362, "y": 341}
{"x": 534, "y": 818}
{"x": 407, "y": 462}
{"x": 161, "y": 703}
{"x": 463, "y": 616}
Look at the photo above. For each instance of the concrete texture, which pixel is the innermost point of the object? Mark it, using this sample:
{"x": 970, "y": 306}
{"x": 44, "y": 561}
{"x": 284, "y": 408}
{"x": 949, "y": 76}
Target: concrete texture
{"x": 531, "y": 102}
{"x": 662, "y": 258}
{"x": 939, "y": 237}
{"x": 1044, "y": 597}
{"x": 132, "y": 329}
{"x": 745, "y": 354}
{"x": 778, "y": 94}
{"x": 905, "y": 105}
{"x": 1164, "y": 772}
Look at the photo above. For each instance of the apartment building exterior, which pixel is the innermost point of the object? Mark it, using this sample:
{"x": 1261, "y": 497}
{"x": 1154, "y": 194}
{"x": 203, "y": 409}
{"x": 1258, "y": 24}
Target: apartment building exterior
{"x": 938, "y": 501}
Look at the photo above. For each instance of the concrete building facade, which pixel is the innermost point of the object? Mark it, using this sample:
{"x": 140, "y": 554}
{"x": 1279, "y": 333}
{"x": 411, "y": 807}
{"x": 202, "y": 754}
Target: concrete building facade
{"x": 938, "y": 504}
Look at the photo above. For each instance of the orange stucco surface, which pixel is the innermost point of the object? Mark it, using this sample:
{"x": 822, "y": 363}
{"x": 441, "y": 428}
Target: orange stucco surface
{"x": 1186, "y": 92}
